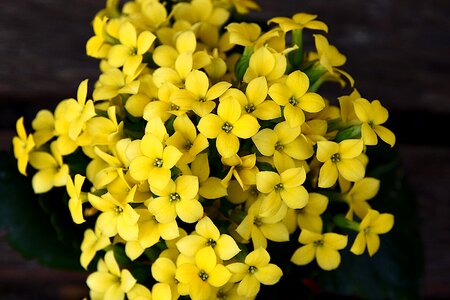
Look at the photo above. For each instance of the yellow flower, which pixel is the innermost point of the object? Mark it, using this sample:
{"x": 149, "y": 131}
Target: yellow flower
{"x": 309, "y": 216}
{"x": 249, "y": 34}
{"x": 150, "y": 233}
{"x": 323, "y": 247}
{"x": 177, "y": 198}
{"x": 282, "y": 189}
{"x": 242, "y": 168}
{"x": 148, "y": 92}
{"x": 51, "y": 170}
{"x": 93, "y": 241}
{"x": 163, "y": 271}
{"x": 255, "y": 270}
{"x": 76, "y": 198}
{"x": 44, "y": 127}
{"x": 259, "y": 228}
{"x": 155, "y": 162}
{"x": 294, "y": 96}
{"x": 284, "y": 144}
{"x": 263, "y": 62}
{"x": 254, "y": 100}
{"x": 131, "y": 44}
{"x": 186, "y": 139}
{"x": 109, "y": 282}
{"x": 197, "y": 93}
{"x": 357, "y": 196}
{"x": 299, "y": 21}
{"x": 97, "y": 46}
{"x": 227, "y": 126}
{"x": 203, "y": 274}
{"x": 244, "y": 6}
{"x": 370, "y": 227}
{"x": 339, "y": 159}
{"x": 206, "y": 234}
{"x": 23, "y": 145}
{"x": 117, "y": 217}
{"x": 372, "y": 115}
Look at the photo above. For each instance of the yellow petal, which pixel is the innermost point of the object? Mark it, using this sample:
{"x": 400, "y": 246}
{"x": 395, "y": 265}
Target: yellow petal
{"x": 368, "y": 135}
{"x": 163, "y": 269}
{"x": 311, "y": 102}
{"x": 382, "y": 224}
{"x": 293, "y": 177}
{"x": 212, "y": 188}
{"x": 328, "y": 174}
{"x": 189, "y": 211}
{"x": 304, "y": 255}
{"x": 351, "y": 169}
{"x": 127, "y": 35}
{"x": 205, "y": 259}
{"x": 385, "y": 134}
{"x": 219, "y": 276}
{"x": 229, "y": 110}
{"x": 295, "y": 197}
{"x": 267, "y": 110}
{"x": 266, "y": 181}
{"x": 145, "y": 41}
{"x": 298, "y": 83}
{"x": 206, "y": 228}
{"x": 127, "y": 281}
{"x": 269, "y": 274}
{"x": 210, "y": 126}
{"x": 350, "y": 148}
{"x": 165, "y": 56}
{"x": 226, "y": 247}
{"x": 280, "y": 93}
{"x": 257, "y": 90}
{"x": 246, "y": 127}
{"x": 327, "y": 258}
{"x": 294, "y": 115}
{"x": 359, "y": 245}
{"x": 334, "y": 240}
{"x": 42, "y": 181}
{"x": 248, "y": 287}
{"x": 197, "y": 82}
{"x": 227, "y": 144}
{"x": 265, "y": 141}
{"x": 363, "y": 110}
{"x": 186, "y": 42}
{"x": 373, "y": 243}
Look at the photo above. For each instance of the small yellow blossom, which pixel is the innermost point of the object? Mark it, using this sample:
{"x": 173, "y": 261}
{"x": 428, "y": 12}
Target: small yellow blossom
{"x": 323, "y": 247}
{"x": 110, "y": 282}
{"x": 255, "y": 270}
{"x": 227, "y": 126}
{"x": 177, "y": 198}
{"x": 93, "y": 241}
{"x": 76, "y": 197}
{"x": 372, "y": 115}
{"x": 339, "y": 159}
{"x": 264, "y": 62}
{"x": 23, "y": 145}
{"x": 370, "y": 227}
{"x": 357, "y": 196}
{"x": 309, "y": 216}
{"x": 203, "y": 274}
{"x": 208, "y": 235}
{"x": 295, "y": 98}
{"x": 164, "y": 270}
{"x": 299, "y": 21}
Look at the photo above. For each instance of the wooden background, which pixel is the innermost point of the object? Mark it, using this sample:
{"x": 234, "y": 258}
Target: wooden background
{"x": 398, "y": 52}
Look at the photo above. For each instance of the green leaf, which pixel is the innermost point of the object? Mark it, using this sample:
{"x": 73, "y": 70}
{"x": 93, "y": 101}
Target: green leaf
{"x": 28, "y": 228}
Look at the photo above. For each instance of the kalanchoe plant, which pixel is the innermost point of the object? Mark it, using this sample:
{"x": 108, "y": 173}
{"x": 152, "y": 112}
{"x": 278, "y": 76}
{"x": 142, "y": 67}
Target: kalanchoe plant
{"x": 206, "y": 143}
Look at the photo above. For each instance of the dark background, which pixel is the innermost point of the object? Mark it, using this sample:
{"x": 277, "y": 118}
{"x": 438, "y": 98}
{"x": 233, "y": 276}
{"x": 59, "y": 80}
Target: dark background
{"x": 397, "y": 51}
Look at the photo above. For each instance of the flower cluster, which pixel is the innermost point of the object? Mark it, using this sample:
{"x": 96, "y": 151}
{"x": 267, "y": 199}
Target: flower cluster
{"x": 206, "y": 140}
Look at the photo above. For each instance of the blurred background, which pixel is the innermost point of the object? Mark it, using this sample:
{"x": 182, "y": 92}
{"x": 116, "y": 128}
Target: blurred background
{"x": 397, "y": 51}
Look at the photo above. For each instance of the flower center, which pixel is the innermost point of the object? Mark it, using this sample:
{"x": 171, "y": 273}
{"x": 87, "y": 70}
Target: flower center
{"x": 336, "y": 157}
{"x": 293, "y": 101}
{"x": 174, "y": 197}
{"x": 252, "y": 269}
{"x": 174, "y": 107}
{"x": 158, "y": 162}
{"x": 203, "y": 276}
{"x": 227, "y": 127}
{"x": 254, "y": 191}
{"x": 257, "y": 221}
{"x": 118, "y": 210}
{"x": 211, "y": 242}
{"x": 318, "y": 243}
{"x": 279, "y": 146}
{"x": 278, "y": 187}
{"x": 187, "y": 146}
{"x": 249, "y": 108}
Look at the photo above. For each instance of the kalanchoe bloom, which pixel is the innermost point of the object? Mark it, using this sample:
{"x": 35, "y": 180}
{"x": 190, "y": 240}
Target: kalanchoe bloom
{"x": 339, "y": 159}
{"x": 357, "y": 196}
{"x": 204, "y": 273}
{"x": 255, "y": 270}
{"x": 323, "y": 247}
{"x": 23, "y": 145}
{"x": 206, "y": 234}
{"x": 227, "y": 126}
{"x": 372, "y": 115}
{"x": 371, "y": 226}
{"x": 299, "y": 21}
